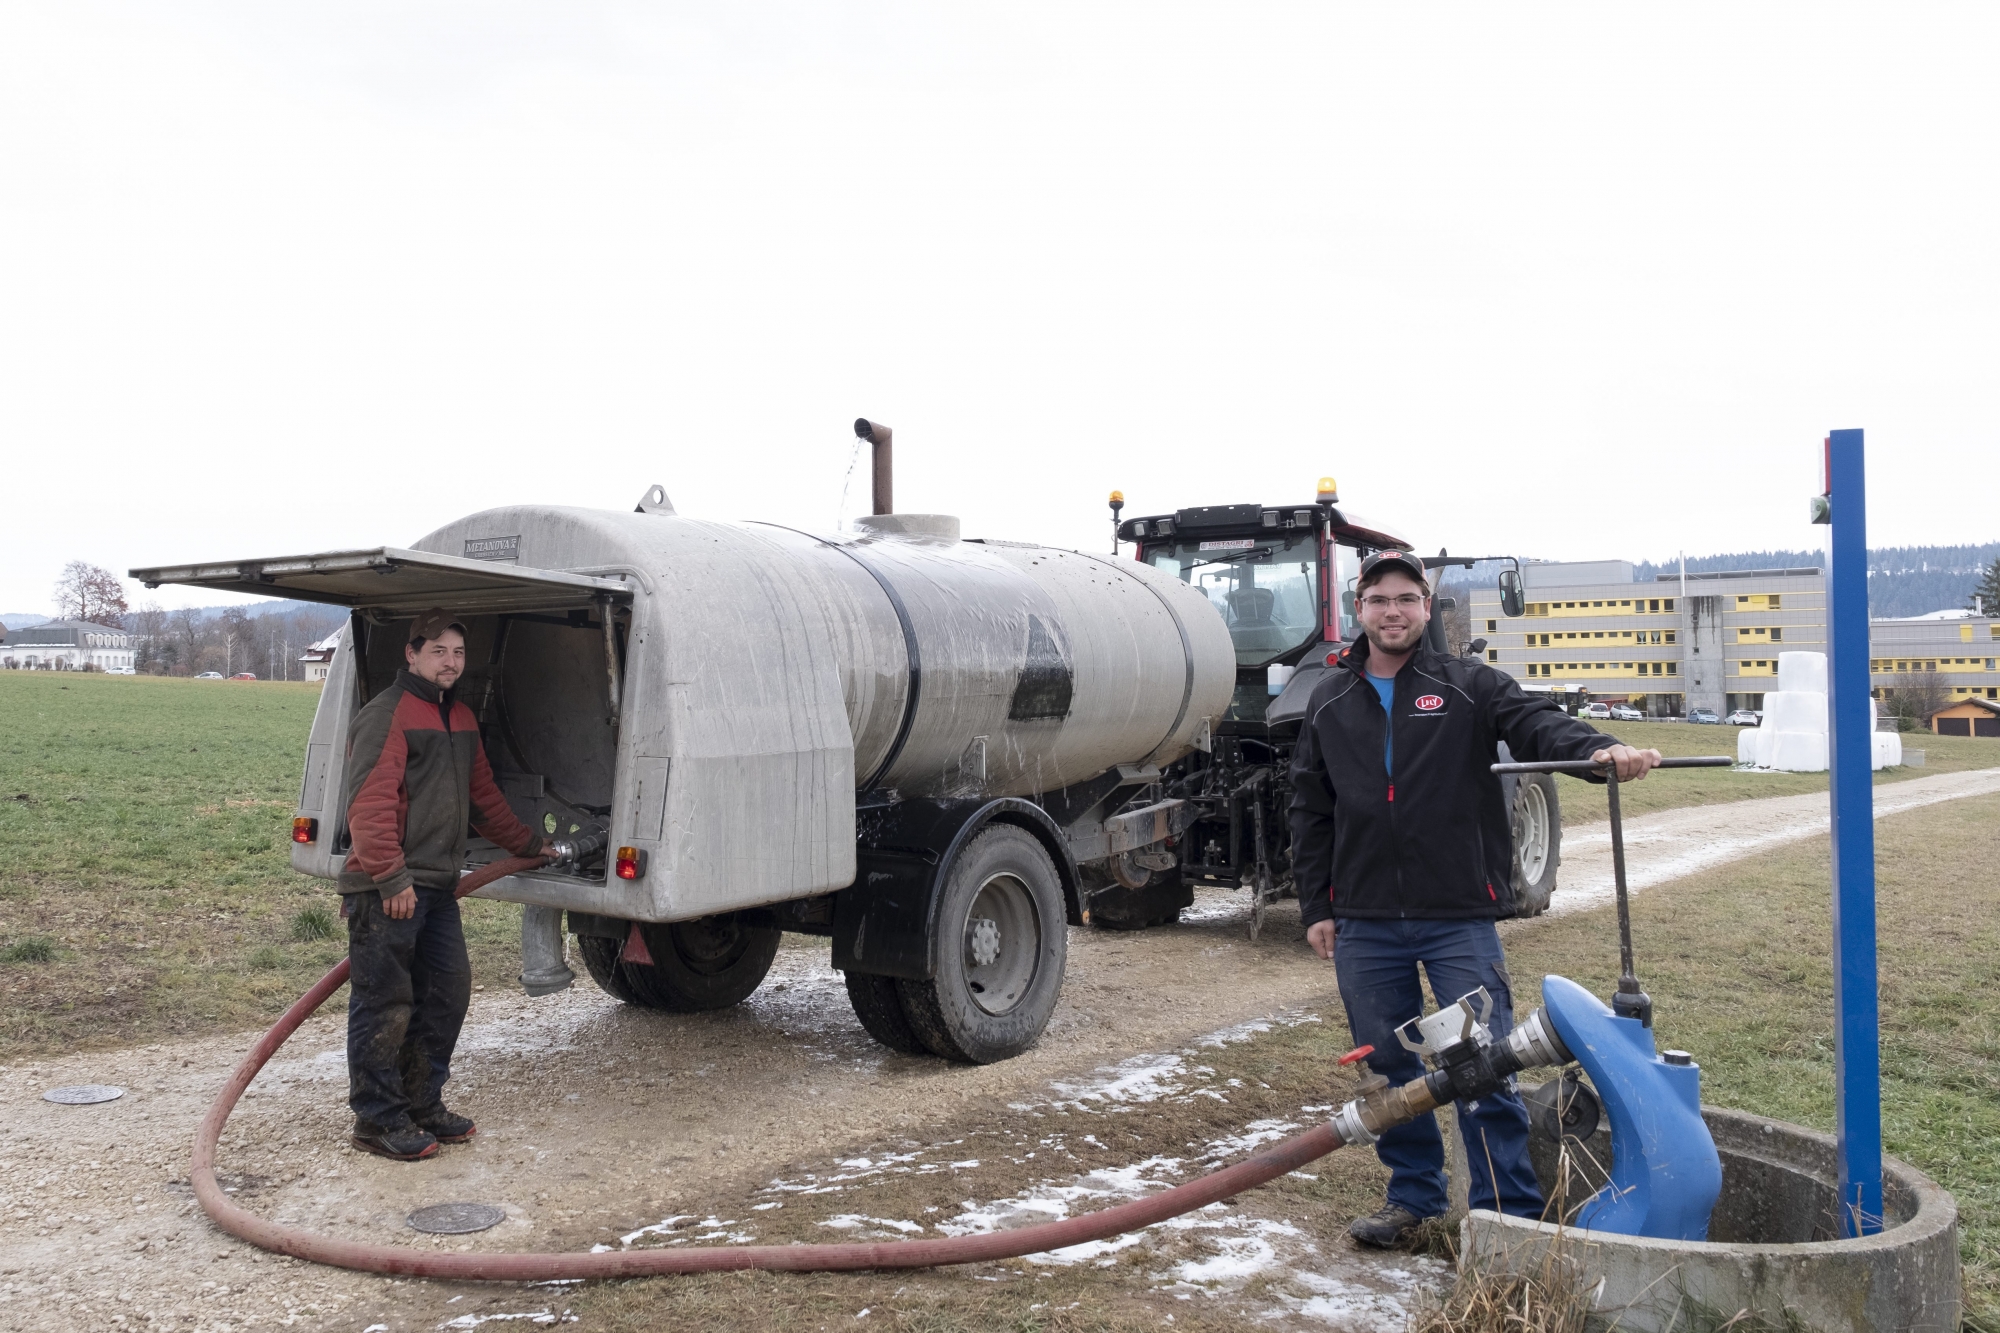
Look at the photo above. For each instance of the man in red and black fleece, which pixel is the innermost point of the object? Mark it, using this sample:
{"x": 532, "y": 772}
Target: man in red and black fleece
{"x": 416, "y": 777}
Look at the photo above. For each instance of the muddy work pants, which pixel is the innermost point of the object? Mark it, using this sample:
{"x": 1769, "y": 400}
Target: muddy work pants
{"x": 406, "y": 1000}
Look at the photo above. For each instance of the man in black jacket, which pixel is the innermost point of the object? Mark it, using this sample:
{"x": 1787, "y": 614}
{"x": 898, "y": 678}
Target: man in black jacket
{"x": 1403, "y": 856}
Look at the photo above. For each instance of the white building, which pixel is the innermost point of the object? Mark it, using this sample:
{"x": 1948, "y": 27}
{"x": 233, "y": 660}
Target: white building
{"x": 67, "y": 645}
{"x": 318, "y": 659}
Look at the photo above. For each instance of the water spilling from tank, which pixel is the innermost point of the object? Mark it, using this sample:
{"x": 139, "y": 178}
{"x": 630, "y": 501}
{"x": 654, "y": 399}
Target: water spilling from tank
{"x": 843, "y": 519}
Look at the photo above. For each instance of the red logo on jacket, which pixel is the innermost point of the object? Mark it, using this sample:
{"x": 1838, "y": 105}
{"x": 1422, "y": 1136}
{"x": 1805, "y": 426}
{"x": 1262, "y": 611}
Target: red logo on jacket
{"x": 1430, "y": 703}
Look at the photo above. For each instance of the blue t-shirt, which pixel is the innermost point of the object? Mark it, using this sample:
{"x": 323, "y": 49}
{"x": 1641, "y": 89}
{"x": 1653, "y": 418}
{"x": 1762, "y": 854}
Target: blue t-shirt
{"x": 1386, "y": 688}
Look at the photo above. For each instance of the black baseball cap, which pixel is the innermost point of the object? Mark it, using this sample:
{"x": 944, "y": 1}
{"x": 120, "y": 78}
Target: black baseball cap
{"x": 433, "y": 623}
{"x": 1387, "y": 560}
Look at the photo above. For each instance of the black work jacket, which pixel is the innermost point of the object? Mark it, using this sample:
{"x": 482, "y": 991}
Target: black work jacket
{"x": 1436, "y": 844}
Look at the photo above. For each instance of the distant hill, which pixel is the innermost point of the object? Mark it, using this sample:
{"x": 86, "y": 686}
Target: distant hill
{"x": 22, "y": 619}
{"x": 1902, "y": 580}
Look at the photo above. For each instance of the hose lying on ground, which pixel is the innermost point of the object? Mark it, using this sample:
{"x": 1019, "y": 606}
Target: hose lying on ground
{"x": 240, "y": 1222}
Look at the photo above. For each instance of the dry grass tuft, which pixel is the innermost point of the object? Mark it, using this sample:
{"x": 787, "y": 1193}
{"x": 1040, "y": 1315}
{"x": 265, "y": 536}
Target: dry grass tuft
{"x": 1549, "y": 1301}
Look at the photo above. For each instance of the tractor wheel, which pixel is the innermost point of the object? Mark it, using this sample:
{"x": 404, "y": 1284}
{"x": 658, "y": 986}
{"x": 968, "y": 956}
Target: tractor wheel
{"x": 711, "y": 962}
{"x": 880, "y": 1008}
{"x": 1537, "y": 827}
{"x": 1002, "y": 947}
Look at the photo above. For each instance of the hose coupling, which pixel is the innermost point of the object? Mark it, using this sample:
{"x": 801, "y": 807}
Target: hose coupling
{"x": 1534, "y": 1043}
{"x": 577, "y": 848}
{"x": 1351, "y": 1128}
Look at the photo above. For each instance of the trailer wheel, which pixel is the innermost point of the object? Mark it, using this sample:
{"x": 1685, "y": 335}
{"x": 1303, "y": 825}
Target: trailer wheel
{"x": 711, "y": 962}
{"x": 1537, "y": 827}
{"x": 1002, "y": 948}
{"x": 600, "y": 959}
{"x": 880, "y": 1009}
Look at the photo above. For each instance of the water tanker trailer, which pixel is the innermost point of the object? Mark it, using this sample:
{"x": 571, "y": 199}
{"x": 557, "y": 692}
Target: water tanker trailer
{"x": 924, "y": 747}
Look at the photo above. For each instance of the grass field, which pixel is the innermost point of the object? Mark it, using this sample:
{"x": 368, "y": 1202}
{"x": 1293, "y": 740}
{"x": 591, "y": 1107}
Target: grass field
{"x": 146, "y": 887}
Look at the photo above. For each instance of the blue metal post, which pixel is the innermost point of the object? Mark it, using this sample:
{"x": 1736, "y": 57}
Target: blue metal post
{"x": 1856, "y": 1037}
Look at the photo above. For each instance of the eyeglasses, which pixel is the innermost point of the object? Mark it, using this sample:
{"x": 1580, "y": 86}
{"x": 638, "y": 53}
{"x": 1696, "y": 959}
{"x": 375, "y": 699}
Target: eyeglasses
{"x": 1409, "y": 601}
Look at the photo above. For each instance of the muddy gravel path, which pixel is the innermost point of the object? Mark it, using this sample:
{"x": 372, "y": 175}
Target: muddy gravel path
{"x": 1663, "y": 847}
{"x": 598, "y": 1120}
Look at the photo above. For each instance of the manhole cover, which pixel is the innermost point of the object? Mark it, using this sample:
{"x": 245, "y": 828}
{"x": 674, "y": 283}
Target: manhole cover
{"x": 457, "y": 1219}
{"x": 83, "y": 1094}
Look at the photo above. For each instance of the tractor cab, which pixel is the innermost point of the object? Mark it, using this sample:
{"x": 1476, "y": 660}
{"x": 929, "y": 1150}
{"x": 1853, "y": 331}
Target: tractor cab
{"x": 1282, "y": 579}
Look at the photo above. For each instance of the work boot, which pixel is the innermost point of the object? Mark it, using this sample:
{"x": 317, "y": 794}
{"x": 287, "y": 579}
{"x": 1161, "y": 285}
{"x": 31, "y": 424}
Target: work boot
{"x": 447, "y": 1126}
{"x": 407, "y": 1143}
{"x": 1385, "y": 1226}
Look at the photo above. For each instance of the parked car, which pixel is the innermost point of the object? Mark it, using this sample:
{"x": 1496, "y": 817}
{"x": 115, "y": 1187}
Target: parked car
{"x": 121, "y": 671}
{"x": 1702, "y": 715}
{"x": 1626, "y": 713}
{"x": 1594, "y": 710}
{"x": 1742, "y": 717}
{"x": 244, "y": 675}
{"x": 209, "y": 675}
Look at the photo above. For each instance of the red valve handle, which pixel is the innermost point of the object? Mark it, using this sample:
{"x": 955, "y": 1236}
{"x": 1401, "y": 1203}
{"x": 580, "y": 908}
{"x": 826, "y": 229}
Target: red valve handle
{"x": 1357, "y": 1054}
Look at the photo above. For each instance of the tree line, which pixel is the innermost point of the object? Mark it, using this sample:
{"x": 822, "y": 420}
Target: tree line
{"x": 264, "y": 640}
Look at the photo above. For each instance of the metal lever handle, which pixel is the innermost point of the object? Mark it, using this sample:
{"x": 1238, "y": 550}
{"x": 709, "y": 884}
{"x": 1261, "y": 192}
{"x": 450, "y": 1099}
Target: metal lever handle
{"x": 1631, "y": 1000}
{"x": 1592, "y": 766}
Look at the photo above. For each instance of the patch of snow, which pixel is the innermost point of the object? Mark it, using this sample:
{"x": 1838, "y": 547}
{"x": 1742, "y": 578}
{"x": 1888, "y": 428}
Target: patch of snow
{"x": 1141, "y": 1078}
{"x": 1254, "y": 1135}
{"x": 855, "y": 1221}
{"x": 709, "y": 1228}
{"x": 532, "y": 1316}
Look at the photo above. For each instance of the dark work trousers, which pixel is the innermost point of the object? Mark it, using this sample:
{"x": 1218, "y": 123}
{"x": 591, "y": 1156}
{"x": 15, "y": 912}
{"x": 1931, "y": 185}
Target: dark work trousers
{"x": 406, "y": 1001}
{"x": 1377, "y": 966}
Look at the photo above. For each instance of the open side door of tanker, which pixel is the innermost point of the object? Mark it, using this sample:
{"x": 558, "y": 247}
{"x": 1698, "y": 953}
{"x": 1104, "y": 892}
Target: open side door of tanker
{"x": 391, "y": 580}
{"x": 557, "y": 636}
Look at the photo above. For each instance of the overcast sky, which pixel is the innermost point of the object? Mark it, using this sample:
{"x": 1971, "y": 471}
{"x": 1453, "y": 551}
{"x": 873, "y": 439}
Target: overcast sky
{"x": 1562, "y": 281}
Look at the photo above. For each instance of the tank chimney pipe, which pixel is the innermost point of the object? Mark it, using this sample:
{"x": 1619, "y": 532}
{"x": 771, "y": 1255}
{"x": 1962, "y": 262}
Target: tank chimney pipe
{"x": 880, "y": 436}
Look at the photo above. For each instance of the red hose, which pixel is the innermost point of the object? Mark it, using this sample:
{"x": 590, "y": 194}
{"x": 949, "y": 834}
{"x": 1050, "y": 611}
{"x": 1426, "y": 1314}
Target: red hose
{"x": 533, "y": 1267}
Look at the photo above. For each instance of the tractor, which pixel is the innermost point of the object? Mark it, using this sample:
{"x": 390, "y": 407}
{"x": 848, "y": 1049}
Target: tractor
{"x": 1282, "y": 579}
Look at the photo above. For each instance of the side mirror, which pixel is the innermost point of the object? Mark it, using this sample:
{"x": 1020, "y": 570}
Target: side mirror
{"x": 1513, "y": 602}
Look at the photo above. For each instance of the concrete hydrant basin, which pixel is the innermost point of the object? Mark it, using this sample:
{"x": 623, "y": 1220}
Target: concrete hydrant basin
{"x": 1774, "y": 1246}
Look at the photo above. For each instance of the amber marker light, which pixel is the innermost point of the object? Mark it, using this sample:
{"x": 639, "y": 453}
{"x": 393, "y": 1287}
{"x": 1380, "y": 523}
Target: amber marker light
{"x": 1328, "y": 492}
{"x": 305, "y": 829}
{"x": 631, "y": 863}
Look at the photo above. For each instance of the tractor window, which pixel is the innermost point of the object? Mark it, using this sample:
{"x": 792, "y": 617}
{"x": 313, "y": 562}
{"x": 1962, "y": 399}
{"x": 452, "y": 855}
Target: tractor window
{"x": 1266, "y": 589}
{"x": 1346, "y": 573}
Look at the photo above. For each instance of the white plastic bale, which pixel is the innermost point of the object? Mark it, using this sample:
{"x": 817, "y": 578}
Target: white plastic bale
{"x": 1794, "y": 752}
{"x": 1788, "y": 710}
{"x": 1749, "y": 745}
{"x": 1802, "y": 673}
{"x": 1888, "y": 750}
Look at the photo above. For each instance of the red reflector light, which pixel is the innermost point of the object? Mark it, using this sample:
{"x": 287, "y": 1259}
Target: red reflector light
{"x": 631, "y": 863}
{"x": 305, "y": 829}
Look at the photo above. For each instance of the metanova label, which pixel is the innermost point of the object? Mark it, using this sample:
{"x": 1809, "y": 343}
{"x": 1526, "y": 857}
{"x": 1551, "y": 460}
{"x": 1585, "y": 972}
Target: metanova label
{"x": 493, "y": 548}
